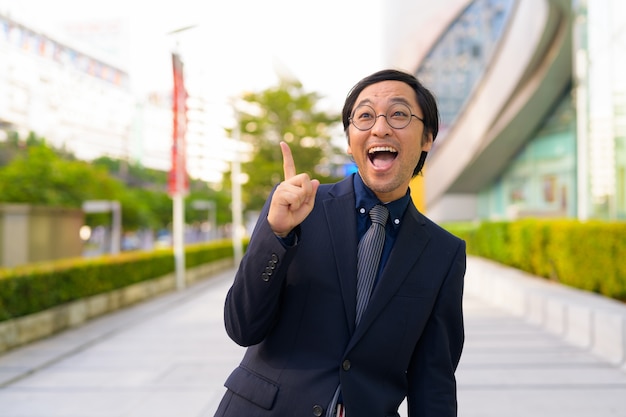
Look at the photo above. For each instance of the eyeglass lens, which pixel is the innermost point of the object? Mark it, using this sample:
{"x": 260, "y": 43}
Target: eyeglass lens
{"x": 397, "y": 115}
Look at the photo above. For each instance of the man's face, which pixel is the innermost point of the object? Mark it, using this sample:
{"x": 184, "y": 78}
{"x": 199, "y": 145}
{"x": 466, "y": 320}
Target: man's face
{"x": 386, "y": 157}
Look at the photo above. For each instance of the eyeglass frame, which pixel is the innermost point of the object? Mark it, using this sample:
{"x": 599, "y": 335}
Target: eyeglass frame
{"x": 375, "y": 119}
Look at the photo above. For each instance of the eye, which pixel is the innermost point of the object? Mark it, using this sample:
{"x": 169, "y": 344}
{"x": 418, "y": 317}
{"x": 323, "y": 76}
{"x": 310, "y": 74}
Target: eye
{"x": 399, "y": 112}
{"x": 364, "y": 113}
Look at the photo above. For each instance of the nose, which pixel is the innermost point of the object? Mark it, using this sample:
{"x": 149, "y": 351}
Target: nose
{"x": 381, "y": 127}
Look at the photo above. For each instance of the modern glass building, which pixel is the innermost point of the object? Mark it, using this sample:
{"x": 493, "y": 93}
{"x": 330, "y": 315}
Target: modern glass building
{"x": 532, "y": 96}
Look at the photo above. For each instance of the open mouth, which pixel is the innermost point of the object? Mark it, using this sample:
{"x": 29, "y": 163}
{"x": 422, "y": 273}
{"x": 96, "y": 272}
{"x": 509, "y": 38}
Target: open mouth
{"x": 382, "y": 156}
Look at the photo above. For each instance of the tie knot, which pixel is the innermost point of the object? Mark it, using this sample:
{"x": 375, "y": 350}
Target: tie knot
{"x": 379, "y": 214}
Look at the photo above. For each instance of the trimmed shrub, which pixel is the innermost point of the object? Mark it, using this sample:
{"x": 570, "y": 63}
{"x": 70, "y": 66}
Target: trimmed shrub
{"x": 33, "y": 288}
{"x": 586, "y": 255}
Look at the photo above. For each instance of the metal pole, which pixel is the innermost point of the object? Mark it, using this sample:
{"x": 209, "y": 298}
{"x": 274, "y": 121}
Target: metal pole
{"x": 212, "y": 220}
{"x": 237, "y": 217}
{"x": 582, "y": 113}
{"x": 116, "y": 230}
{"x": 236, "y": 196}
{"x": 178, "y": 194}
{"x": 178, "y": 238}
{"x": 178, "y": 226}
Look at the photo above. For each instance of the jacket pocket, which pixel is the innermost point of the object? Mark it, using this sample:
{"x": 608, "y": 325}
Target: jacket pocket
{"x": 252, "y": 387}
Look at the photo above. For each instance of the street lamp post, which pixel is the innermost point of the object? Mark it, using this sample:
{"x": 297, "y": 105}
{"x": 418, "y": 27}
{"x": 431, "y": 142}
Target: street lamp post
{"x": 212, "y": 214}
{"x": 178, "y": 172}
{"x": 104, "y": 206}
{"x": 237, "y": 205}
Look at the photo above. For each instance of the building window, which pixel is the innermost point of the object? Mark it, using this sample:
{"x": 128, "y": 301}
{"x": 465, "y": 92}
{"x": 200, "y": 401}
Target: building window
{"x": 458, "y": 60}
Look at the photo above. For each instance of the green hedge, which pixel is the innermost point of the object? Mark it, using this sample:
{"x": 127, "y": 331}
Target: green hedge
{"x": 587, "y": 255}
{"x": 33, "y": 288}
{"x": 199, "y": 254}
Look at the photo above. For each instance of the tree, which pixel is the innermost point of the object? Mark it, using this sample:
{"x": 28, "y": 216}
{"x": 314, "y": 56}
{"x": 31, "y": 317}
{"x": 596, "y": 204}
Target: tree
{"x": 285, "y": 113}
{"x": 31, "y": 172}
{"x": 149, "y": 186}
{"x": 40, "y": 176}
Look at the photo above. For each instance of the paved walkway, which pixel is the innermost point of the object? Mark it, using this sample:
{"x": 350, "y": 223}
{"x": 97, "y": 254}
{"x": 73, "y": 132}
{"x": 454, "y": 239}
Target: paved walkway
{"x": 170, "y": 356}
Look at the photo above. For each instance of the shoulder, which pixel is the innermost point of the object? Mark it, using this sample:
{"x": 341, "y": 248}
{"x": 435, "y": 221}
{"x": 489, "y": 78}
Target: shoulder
{"x": 434, "y": 229}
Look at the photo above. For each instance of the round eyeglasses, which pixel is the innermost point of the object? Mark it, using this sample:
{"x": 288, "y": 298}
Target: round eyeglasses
{"x": 398, "y": 116}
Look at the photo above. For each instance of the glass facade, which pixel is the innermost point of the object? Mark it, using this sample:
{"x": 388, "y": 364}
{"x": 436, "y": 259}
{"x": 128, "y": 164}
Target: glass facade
{"x": 575, "y": 164}
{"x": 456, "y": 64}
{"x": 541, "y": 180}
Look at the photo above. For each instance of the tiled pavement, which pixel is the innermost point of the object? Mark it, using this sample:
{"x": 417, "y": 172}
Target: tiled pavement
{"x": 169, "y": 357}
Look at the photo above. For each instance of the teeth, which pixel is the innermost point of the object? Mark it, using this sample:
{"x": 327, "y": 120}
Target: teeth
{"x": 382, "y": 149}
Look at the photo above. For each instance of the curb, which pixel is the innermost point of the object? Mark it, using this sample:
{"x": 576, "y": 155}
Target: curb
{"x": 23, "y": 330}
{"x": 584, "y": 319}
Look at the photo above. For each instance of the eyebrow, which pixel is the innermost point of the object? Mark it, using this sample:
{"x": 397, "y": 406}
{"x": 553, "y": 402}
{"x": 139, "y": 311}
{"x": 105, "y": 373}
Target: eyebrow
{"x": 393, "y": 100}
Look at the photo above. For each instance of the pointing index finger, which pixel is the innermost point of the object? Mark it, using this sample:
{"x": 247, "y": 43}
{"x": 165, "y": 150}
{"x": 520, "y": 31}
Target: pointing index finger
{"x": 288, "y": 165}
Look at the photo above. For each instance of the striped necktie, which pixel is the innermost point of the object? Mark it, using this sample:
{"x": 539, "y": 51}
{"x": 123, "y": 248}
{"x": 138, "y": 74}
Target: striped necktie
{"x": 368, "y": 257}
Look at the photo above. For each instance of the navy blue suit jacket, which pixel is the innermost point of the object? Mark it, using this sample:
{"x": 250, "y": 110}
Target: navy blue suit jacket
{"x": 294, "y": 307}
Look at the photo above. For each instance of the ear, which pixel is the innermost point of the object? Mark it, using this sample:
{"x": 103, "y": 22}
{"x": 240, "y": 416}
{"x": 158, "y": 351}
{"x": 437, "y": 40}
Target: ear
{"x": 427, "y": 142}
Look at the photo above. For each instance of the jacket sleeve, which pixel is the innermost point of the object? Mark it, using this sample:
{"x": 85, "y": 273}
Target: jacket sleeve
{"x": 432, "y": 384}
{"x": 253, "y": 301}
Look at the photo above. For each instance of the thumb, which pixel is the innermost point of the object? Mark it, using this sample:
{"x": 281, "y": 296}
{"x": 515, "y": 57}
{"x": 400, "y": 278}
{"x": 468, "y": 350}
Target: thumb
{"x": 315, "y": 184}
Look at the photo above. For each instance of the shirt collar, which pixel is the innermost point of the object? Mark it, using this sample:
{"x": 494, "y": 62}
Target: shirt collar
{"x": 366, "y": 199}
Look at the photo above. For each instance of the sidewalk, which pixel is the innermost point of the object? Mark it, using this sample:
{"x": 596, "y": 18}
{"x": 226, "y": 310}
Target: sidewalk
{"x": 170, "y": 356}
{"x": 512, "y": 368}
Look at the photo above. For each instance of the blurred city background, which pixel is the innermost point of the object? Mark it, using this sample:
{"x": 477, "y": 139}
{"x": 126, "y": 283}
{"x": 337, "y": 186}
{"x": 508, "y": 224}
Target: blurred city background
{"x": 95, "y": 81}
{"x": 532, "y": 97}
{"x": 138, "y": 140}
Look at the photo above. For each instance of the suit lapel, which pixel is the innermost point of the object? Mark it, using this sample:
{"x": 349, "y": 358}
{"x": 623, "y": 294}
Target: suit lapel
{"x": 407, "y": 249}
{"x": 341, "y": 214}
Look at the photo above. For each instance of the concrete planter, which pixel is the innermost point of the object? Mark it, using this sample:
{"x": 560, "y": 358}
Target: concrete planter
{"x": 23, "y": 330}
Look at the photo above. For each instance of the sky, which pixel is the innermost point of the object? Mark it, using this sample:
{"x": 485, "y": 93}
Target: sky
{"x": 232, "y": 46}
{"x": 228, "y": 47}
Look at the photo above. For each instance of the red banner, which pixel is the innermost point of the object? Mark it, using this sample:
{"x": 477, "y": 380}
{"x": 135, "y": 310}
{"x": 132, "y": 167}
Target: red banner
{"x": 177, "y": 180}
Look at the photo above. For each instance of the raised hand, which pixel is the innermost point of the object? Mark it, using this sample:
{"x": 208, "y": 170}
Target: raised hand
{"x": 293, "y": 199}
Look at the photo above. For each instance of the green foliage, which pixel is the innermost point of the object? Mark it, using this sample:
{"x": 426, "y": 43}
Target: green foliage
{"x": 133, "y": 174}
{"x": 32, "y": 172}
{"x": 494, "y": 241}
{"x": 222, "y": 202}
{"x": 528, "y": 241}
{"x": 39, "y": 176}
{"x": 285, "y": 113}
{"x": 146, "y": 209}
{"x": 33, "y": 288}
{"x": 36, "y": 288}
{"x": 9, "y": 148}
{"x": 589, "y": 256}
{"x": 203, "y": 253}
{"x": 586, "y": 255}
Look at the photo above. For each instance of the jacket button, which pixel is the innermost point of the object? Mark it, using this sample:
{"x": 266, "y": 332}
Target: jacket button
{"x": 317, "y": 410}
{"x": 346, "y": 365}
{"x": 265, "y": 277}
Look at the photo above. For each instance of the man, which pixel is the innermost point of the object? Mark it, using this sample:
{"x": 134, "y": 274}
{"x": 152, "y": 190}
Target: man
{"x": 294, "y": 298}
